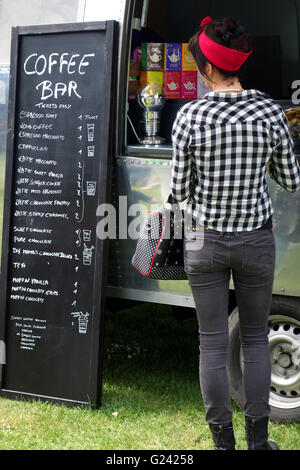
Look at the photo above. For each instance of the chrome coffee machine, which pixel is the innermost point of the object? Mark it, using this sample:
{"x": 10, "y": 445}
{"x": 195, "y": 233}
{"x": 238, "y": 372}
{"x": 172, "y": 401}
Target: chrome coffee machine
{"x": 152, "y": 100}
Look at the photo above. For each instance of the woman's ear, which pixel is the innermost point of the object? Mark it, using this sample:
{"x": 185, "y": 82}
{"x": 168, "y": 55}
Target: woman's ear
{"x": 209, "y": 70}
{"x": 207, "y": 78}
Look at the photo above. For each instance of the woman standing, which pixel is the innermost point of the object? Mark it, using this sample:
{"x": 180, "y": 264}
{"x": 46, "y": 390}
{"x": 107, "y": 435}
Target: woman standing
{"x": 223, "y": 145}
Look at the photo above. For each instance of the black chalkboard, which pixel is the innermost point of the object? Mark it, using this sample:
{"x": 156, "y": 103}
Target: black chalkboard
{"x": 58, "y": 171}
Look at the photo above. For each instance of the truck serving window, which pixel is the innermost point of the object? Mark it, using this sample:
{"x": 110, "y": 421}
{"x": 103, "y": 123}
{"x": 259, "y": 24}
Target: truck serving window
{"x": 274, "y": 67}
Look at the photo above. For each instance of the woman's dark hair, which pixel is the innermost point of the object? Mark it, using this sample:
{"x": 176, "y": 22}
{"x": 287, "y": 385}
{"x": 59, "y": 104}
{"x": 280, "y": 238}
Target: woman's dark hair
{"x": 227, "y": 33}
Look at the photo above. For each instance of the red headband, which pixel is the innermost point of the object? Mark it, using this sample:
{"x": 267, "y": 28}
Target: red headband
{"x": 221, "y": 56}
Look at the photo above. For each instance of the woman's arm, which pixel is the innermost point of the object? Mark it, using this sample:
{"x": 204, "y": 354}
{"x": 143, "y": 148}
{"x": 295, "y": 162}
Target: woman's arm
{"x": 283, "y": 166}
{"x": 182, "y": 161}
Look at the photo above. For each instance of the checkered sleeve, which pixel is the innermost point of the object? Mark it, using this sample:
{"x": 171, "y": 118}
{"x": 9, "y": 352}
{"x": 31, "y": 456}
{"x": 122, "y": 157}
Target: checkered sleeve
{"x": 284, "y": 167}
{"x": 182, "y": 161}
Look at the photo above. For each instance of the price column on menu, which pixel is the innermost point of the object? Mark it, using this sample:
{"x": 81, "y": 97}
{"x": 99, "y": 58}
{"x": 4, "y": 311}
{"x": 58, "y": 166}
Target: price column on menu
{"x": 54, "y": 257}
{"x": 86, "y": 190}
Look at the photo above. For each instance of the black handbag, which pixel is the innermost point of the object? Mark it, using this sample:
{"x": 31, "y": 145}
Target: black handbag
{"x": 159, "y": 251}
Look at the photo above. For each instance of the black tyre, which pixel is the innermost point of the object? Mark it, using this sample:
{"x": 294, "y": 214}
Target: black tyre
{"x": 284, "y": 343}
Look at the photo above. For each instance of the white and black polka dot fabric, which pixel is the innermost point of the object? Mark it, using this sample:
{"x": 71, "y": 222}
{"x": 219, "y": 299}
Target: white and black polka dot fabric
{"x": 159, "y": 254}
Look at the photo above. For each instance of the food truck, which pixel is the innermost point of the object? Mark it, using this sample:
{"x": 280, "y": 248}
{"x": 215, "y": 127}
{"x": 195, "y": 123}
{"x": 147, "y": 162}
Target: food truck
{"x": 152, "y": 37}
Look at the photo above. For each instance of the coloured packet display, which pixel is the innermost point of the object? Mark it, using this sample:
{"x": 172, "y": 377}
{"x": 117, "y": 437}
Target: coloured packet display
{"x": 152, "y": 78}
{"x": 152, "y": 56}
{"x": 172, "y": 67}
{"x": 189, "y": 85}
{"x": 172, "y": 85}
{"x": 187, "y": 60}
{"x": 172, "y": 57}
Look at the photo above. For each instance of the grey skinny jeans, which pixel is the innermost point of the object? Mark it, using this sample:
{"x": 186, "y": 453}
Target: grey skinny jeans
{"x": 210, "y": 258}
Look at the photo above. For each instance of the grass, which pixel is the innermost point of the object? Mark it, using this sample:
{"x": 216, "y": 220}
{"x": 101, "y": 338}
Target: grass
{"x": 151, "y": 397}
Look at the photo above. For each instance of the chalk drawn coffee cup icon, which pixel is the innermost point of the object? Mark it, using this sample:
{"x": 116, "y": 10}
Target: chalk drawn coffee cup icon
{"x": 87, "y": 255}
{"x": 86, "y": 235}
{"x": 83, "y": 319}
{"x": 91, "y": 150}
{"x": 83, "y": 323}
{"x": 91, "y": 188}
{"x": 90, "y": 132}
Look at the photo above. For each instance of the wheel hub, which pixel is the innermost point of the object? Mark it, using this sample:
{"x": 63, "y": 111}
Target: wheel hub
{"x": 284, "y": 344}
{"x": 284, "y": 360}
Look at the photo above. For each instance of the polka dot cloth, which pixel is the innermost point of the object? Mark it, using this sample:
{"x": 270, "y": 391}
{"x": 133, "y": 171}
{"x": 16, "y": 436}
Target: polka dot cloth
{"x": 159, "y": 251}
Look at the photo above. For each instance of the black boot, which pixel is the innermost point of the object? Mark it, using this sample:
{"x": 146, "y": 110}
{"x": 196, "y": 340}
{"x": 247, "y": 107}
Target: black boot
{"x": 223, "y": 436}
{"x": 257, "y": 434}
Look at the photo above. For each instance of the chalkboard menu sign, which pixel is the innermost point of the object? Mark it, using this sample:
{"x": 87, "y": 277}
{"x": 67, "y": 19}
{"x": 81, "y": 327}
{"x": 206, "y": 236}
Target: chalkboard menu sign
{"x": 58, "y": 171}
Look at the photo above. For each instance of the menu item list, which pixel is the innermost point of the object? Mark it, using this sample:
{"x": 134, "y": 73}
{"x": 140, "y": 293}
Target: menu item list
{"x": 57, "y": 152}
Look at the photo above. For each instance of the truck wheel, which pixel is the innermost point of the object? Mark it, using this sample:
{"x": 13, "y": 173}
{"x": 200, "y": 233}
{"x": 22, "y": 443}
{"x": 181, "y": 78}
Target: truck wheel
{"x": 284, "y": 344}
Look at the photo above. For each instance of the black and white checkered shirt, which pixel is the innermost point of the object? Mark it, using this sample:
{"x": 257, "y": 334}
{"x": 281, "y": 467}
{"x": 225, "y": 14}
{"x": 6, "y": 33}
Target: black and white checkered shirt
{"x": 221, "y": 147}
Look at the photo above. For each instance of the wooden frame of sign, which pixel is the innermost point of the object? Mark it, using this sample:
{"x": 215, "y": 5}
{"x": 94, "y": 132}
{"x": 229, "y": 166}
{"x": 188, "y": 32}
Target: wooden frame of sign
{"x": 58, "y": 172}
